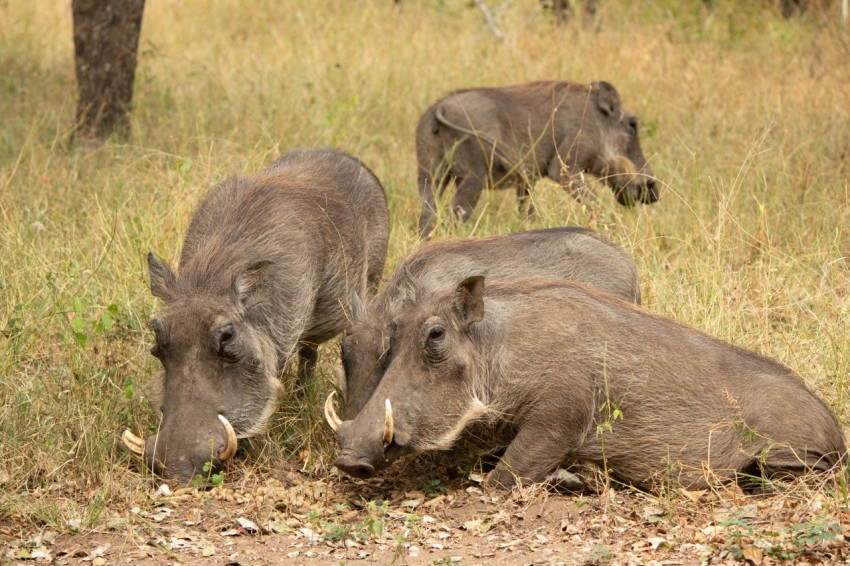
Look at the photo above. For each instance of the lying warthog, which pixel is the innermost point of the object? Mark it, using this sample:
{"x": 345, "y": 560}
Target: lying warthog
{"x": 569, "y": 253}
{"x": 516, "y": 134}
{"x": 560, "y": 373}
{"x": 267, "y": 268}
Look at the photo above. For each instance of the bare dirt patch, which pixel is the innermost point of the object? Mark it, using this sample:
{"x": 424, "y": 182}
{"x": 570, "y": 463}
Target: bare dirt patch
{"x": 410, "y": 518}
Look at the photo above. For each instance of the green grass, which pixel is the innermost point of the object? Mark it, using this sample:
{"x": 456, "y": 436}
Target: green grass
{"x": 745, "y": 119}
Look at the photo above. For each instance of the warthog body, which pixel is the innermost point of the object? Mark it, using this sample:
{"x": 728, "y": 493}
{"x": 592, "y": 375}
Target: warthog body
{"x": 517, "y": 134}
{"x": 558, "y": 373}
{"x": 569, "y": 253}
{"x": 267, "y": 268}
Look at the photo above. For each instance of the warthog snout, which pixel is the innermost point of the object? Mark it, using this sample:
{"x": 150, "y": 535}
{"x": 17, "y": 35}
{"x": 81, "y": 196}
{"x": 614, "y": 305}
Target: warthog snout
{"x": 185, "y": 458}
{"x": 371, "y": 450}
{"x": 631, "y": 184}
{"x": 354, "y": 466}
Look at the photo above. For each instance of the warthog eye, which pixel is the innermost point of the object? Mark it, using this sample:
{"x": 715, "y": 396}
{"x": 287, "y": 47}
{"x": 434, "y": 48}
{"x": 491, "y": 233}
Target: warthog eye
{"x": 226, "y": 342}
{"x": 633, "y": 124}
{"x": 436, "y": 334}
{"x": 435, "y": 345}
{"x": 226, "y": 335}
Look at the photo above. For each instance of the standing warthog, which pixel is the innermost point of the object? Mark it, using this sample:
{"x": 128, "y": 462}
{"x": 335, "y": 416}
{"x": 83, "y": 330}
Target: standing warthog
{"x": 559, "y": 373}
{"x": 267, "y": 268}
{"x": 569, "y": 253}
{"x": 517, "y": 134}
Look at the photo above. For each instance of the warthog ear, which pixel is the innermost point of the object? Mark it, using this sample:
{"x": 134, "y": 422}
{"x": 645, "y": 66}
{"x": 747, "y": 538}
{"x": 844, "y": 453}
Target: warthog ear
{"x": 250, "y": 284}
{"x": 607, "y": 98}
{"x": 468, "y": 299}
{"x": 163, "y": 280}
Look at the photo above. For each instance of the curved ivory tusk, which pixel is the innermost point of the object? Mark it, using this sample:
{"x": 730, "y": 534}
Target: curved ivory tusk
{"x": 330, "y": 413}
{"x": 230, "y": 448}
{"x": 388, "y": 423}
{"x": 135, "y": 444}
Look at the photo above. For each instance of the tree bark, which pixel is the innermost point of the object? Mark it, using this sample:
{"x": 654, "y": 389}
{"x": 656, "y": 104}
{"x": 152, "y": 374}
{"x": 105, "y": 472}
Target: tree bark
{"x": 106, "y": 39}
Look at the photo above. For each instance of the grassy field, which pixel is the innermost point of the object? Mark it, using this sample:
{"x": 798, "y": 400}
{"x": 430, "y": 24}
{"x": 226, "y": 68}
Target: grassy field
{"x": 745, "y": 120}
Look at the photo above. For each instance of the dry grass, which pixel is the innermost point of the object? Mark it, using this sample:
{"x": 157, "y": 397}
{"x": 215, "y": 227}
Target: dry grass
{"x": 746, "y": 120}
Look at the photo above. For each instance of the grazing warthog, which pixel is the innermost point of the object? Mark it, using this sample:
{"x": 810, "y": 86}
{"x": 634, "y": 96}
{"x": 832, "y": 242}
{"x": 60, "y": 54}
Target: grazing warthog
{"x": 559, "y": 373}
{"x": 267, "y": 268}
{"x": 569, "y": 253}
{"x": 517, "y": 134}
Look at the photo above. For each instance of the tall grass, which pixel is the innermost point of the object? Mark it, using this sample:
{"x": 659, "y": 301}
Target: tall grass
{"x": 745, "y": 119}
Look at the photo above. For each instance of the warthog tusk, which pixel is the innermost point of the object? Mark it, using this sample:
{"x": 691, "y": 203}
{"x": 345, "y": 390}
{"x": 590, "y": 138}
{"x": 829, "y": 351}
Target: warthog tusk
{"x": 230, "y": 448}
{"x": 388, "y": 423}
{"x": 330, "y": 413}
{"x": 135, "y": 444}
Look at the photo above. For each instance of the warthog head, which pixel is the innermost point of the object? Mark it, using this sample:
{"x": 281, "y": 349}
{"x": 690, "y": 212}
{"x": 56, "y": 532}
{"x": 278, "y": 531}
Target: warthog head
{"x": 618, "y": 158}
{"x": 220, "y": 378}
{"x": 426, "y": 397}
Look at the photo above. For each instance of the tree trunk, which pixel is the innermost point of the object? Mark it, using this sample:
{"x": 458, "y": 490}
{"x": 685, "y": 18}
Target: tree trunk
{"x": 106, "y": 38}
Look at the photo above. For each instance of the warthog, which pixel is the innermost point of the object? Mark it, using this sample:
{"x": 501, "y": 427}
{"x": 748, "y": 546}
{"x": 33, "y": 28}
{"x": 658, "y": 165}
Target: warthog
{"x": 570, "y": 253}
{"x": 559, "y": 373}
{"x": 267, "y": 268}
{"x": 516, "y": 134}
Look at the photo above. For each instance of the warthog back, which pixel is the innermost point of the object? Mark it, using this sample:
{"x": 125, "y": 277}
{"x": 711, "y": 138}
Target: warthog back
{"x": 568, "y": 253}
{"x": 514, "y": 135}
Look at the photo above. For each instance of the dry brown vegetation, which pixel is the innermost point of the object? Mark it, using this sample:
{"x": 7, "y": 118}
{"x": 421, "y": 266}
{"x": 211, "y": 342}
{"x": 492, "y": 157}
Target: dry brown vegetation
{"x": 745, "y": 119}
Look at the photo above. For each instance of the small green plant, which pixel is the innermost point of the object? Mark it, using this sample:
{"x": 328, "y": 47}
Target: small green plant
{"x": 78, "y": 323}
{"x": 14, "y": 324}
{"x": 607, "y": 414}
{"x": 373, "y": 523}
{"x": 600, "y": 553}
{"x": 208, "y": 477}
{"x": 814, "y": 531}
{"x": 785, "y": 544}
{"x": 737, "y": 528}
{"x": 314, "y": 515}
{"x": 433, "y": 489}
{"x": 100, "y": 325}
{"x": 608, "y": 410}
{"x": 749, "y": 434}
{"x": 129, "y": 388}
{"x": 398, "y": 551}
{"x": 371, "y": 526}
{"x": 337, "y": 532}
{"x": 215, "y": 479}
{"x": 412, "y": 522}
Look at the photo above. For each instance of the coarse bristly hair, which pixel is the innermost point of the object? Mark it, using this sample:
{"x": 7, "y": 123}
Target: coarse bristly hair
{"x": 273, "y": 259}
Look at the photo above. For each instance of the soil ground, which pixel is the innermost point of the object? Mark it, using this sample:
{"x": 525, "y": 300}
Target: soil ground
{"x": 408, "y": 518}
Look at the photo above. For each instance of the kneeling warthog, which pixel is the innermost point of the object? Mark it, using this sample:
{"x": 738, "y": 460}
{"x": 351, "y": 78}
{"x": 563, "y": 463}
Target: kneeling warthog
{"x": 267, "y": 268}
{"x": 559, "y": 373}
{"x": 517, "y": 134}
{"x": 569, "y": 253}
